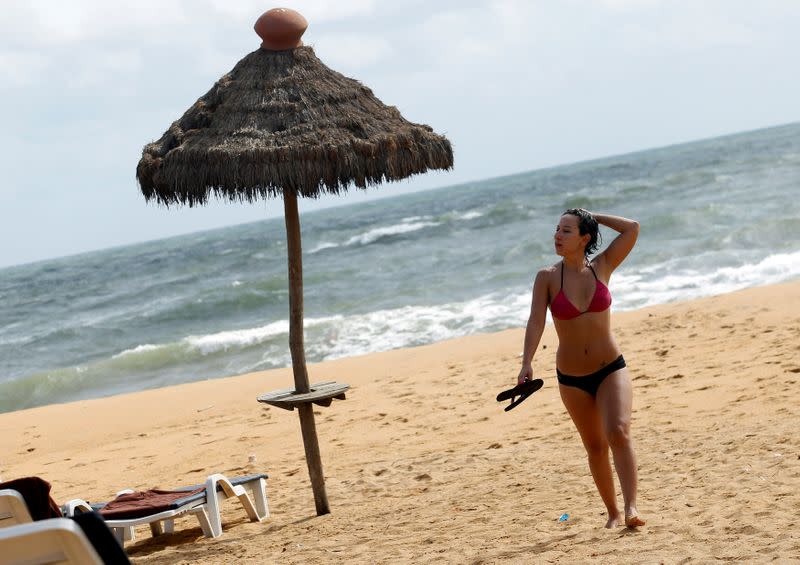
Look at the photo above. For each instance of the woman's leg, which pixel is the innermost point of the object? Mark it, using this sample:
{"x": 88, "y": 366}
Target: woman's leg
{"x": 614, "y": 401}
{"x": 583, "y": 411}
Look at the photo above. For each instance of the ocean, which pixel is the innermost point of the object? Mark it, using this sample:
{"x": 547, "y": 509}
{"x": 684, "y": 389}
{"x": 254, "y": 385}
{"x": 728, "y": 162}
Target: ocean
{"x": 716, "y": 216}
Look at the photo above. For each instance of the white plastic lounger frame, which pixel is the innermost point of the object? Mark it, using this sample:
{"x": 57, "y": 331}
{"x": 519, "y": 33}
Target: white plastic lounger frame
{"x": 13, "y": 510}
{"x": 56, "y": 541}
{"x": 205, "y": 506}
{"x": 161, "y": 522}
{"x": 219, "y": 488}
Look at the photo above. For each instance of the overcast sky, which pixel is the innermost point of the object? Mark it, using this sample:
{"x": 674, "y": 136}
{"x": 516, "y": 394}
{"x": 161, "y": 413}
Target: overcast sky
{"x": 515, "y": 85}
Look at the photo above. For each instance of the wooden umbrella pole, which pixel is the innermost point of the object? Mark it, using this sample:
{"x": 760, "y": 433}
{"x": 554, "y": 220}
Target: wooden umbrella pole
{"x": 296, "y": 346}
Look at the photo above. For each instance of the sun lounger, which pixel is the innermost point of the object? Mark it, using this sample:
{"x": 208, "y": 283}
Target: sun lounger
{"x": 35, "y": 493}
{"x": 52, "y": 541}
{"x": 203, "y": 501}
{"x": 13, "y": 510}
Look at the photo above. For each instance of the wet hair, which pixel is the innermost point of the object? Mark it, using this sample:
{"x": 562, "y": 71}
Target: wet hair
{"x": 586, "y": 224}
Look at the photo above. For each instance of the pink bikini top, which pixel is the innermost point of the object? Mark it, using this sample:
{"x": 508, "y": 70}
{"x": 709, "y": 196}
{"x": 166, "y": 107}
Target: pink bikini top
{"x": 563, "y": 309}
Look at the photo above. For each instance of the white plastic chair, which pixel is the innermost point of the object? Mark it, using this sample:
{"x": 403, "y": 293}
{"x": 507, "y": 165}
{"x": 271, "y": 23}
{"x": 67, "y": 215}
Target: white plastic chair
{"x": 13, "y": 510}
{"x": 56, "y": 541}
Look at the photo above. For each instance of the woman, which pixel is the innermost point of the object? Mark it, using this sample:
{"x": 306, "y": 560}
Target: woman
{"x": 594, "y": 383}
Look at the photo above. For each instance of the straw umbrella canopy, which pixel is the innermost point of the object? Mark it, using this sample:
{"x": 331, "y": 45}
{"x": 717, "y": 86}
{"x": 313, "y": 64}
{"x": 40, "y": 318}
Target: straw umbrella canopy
{"x": 281, "y": 123}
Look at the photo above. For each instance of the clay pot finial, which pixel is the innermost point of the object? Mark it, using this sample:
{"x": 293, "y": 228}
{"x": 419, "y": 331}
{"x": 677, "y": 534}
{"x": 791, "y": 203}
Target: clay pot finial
{"x": 280, "y": 29}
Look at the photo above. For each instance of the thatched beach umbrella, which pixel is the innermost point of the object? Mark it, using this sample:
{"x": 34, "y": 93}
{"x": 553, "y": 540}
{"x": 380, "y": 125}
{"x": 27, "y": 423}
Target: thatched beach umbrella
{"x": 281, "y": 123}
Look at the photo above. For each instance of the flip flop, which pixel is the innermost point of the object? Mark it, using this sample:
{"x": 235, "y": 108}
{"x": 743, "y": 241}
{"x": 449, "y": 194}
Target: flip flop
{"x": 521, "y": 391}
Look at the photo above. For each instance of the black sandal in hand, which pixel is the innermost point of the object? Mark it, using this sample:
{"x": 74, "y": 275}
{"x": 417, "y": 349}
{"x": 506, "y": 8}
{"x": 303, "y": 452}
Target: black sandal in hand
{"x": 520, "y": 392}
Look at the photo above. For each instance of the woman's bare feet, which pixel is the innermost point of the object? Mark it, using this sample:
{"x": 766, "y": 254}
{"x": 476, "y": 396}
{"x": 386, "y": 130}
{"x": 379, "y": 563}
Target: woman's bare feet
{"x": 632, "y": 518}
{"x": 614, "y": 520}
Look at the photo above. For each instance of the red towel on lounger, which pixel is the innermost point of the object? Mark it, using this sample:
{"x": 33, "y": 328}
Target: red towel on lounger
{"x": 36, "y": 493}
{"x": 144, "y": 503}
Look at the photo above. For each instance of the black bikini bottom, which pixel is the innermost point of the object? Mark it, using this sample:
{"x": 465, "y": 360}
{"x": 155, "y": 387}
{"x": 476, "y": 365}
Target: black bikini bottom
{"x": 590, "y": 383}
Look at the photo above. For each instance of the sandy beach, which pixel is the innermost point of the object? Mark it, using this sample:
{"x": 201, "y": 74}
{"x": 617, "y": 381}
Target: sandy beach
{"x": 423, "y": 465}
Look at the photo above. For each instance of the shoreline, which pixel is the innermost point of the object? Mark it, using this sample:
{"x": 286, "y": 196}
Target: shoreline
{"x": 290, "y": 381}
{"x": 421, "y": 463}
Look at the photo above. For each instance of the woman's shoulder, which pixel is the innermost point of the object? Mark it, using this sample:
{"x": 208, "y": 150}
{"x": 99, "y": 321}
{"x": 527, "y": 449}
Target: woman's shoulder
{"x": 546, "y": 282}
{"x": 550, "y": 269}
{"x": 547, "y": 273}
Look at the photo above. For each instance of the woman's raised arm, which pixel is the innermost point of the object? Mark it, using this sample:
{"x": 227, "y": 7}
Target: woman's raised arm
{"x": 618, "y": 249}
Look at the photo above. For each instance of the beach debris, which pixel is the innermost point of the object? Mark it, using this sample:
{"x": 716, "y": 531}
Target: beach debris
{"x": 252, "y": 459}
{"x": 563, "y": 518}
{"x": 204, "y": 408}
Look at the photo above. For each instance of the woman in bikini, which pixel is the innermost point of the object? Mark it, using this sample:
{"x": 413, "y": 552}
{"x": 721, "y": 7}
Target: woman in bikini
{"x": 594, "y": 383}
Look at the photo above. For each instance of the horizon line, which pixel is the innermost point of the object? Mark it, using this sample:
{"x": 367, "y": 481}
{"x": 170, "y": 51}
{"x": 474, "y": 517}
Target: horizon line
{"x": 391, "y": 196}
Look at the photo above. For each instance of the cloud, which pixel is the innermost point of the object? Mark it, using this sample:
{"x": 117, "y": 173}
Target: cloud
{"x": 346, "y": 52}
{"x": 20, "y": 69}
{"x": 84, "y": 43}
{"x": 629, "y": 5}
{"x": 325, "y": 11}
{"x": 48, "y": 24}
{"x": 91, "y": 81}
{"x": 315, "y": 11}
{"x": 695, "y": 28}
{"x": 460, "y": 37}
